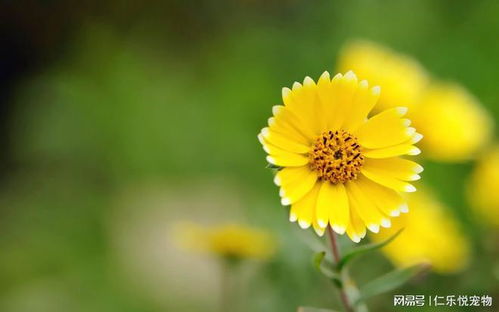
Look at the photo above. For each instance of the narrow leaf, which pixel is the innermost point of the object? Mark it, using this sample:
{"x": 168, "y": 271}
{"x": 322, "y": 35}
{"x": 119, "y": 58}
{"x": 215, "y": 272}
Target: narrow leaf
{"x": 364, "y": 249}
{"x": 317, "y": 260}
{"x": 326, "y": 268}
{"x": 391, "y": 281}
{"x": 309, "y": 309}
{"x": 353, "y": 294}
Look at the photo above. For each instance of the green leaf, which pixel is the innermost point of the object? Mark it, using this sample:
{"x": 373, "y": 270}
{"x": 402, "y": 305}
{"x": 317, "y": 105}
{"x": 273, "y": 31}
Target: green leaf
{"x": 390, "y": 281}
{"x": 353, "y": 294}
{"x": 364, "y": 249}
{"x": 317, "y": 260}
{"x": 309, "y": 309}
{"x": 326, "y": 268}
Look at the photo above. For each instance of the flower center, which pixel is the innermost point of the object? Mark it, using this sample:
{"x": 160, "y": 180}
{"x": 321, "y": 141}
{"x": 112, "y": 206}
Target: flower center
{"x": 336, "y": 157}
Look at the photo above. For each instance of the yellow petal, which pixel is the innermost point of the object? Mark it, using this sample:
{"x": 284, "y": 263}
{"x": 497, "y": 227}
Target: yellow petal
{"x": 327, "y": 90}
{"x": 290, "y": 175}
{"x": 326, "y": 99}
{"x": 388, "y": 201}
{"x": 365, "y": 207}
{"x": 385, "y": 129}
{"x": 388, "y": 181}
{"x": 344, "y": 88}
{"x": 285, "y": 159}
{"x": 356, "y": 229}
{"x": 273, "y": 138}
{"x": 303, "y": 210}
{"x": 317, "y": 228}
{"x": 303, "y": 101}
{"x": 398, "y": 168}
{"x": 416, "y": 137}
{"x": 363, "y": 103}
{"x": 290, "y": 125}
{"x": 294, "y": 191}
{"x": 332, "y": 207}
{"x": 392, "y": 151}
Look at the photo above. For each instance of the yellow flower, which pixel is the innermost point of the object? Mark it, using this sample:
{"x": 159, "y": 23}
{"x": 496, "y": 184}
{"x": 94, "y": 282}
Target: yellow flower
{"x": 233, "y": 241}
{"x": 338, "y": 167}
{"x": 484, "y": 187}
{"x": 401, "y": 77}
{"x": 441, "y": 112}
{"x": 430, "y": 235}
{"x": 453, "y": 122}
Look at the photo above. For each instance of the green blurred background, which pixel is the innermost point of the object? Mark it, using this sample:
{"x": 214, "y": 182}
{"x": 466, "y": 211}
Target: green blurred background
{"x": 120, "y": 119}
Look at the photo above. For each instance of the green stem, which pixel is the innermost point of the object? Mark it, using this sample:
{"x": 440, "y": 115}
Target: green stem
{"x": 337, "y": 257}
{"x": 225, "y": 286}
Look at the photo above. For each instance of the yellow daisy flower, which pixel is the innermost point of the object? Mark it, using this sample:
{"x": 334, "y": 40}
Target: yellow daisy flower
{"x": 234, "y": 241}
{"x": 430, "y": 235}
{"x": 446, "y": 111}
{"x": 484, "y": 187}
{"x": 337, "y": 166}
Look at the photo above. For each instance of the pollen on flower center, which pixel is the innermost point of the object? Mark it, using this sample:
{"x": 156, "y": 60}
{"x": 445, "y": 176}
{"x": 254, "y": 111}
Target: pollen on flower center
{"x": 336, "y": 157}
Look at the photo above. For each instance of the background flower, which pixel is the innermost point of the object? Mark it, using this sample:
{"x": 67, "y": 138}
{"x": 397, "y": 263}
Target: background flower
{"x": 430, "y": 234}
{"x": 402, "y": 78}
{"x": 231, "y": 241}
{"x": 483, "y": 188}
{"x": 454, "y": 123}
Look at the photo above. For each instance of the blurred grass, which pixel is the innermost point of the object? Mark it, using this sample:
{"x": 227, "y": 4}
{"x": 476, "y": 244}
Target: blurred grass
{"x": 181, "y": 99}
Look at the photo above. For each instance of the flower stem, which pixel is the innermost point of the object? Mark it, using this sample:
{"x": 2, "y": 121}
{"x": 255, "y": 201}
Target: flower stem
{"x": 336, "y": 256}
{"x": 225, "y": 286}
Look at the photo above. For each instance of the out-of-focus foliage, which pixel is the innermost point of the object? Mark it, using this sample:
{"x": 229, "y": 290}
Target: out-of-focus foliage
{"x": 147, "y": 115}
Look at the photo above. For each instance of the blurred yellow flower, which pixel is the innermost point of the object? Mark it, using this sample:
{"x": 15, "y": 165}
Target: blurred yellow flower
{"x": 454, "y": 124}
{"x": 234, "y": 241}
{"x": 337, "y": 167}
{"x": 442, "y": 113}
{"x": 483, "y": 189}
{"x": 401, "y": 77}
{"x": 430, "y": 235}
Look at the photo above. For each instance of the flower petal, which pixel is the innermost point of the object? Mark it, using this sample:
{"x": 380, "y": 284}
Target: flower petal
{"x": 286, "y": 159}
{"x": 396, "y": 167}
{"x": 289, "y": 175}
{"x": 290, "y": 125}
{"x": 388, "y": 181}
{"x": 344, "y": 88}
{"x": 294, "y": 191}
{"x": 388, "y": 201}
{"x": 363, "y": 102}
{"x": 272, "y": 138}
{"x": 392, "y": 151}
{"x": 385, "y": 129}
{"x": 365, "y": 207}
{"x": 303, "y": 210}
{"x": 332, "y": 207}
{"x": 303, "y": 101}
{"x": 317, "y": 228}
{"x": 356, "y": 229}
